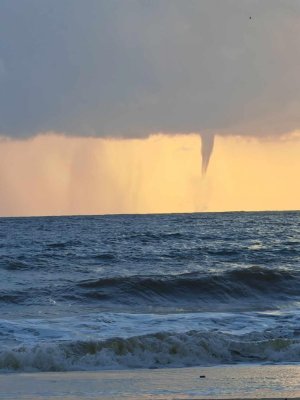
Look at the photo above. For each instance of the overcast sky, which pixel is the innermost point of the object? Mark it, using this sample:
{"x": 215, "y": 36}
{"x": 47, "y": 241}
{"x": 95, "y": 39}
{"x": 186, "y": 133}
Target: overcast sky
{"x": 130, "y": 68}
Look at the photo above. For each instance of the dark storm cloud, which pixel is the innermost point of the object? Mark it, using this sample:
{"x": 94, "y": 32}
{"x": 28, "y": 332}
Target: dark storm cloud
{"x": 129, "y": 68}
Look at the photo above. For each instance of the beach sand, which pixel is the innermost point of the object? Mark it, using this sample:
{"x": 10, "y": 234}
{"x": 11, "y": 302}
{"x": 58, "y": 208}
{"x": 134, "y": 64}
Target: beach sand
{"x": 272, "y": 381}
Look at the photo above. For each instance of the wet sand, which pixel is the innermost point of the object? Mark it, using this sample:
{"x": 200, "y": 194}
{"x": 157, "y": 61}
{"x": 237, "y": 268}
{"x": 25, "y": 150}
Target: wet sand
{"x": 226, "y": 382}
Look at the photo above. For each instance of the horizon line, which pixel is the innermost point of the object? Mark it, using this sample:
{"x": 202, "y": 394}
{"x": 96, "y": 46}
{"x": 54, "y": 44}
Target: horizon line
{"x": 144, "y": 214}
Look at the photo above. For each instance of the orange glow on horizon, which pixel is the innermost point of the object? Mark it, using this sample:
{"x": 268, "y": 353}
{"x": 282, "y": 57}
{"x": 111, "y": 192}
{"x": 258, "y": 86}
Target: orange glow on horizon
{"x": 54, "y": 175}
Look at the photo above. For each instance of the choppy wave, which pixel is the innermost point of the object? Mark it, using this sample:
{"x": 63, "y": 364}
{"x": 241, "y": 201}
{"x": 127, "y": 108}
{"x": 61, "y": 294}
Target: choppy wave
{"x": 12, "y": 264}
{"x": 158, "y": 350}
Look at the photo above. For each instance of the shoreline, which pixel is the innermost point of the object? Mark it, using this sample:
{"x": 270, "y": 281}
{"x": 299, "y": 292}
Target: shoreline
{"x": 220, "y": 382}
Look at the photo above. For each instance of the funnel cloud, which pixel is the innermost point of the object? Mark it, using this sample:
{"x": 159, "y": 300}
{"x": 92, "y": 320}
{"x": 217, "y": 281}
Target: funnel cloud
{"x": 126, "y": 69}
{"x": 207, "y": 145}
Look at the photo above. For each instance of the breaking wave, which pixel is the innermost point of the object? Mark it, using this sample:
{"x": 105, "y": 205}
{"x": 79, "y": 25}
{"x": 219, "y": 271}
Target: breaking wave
{"x": 158, "y": 350}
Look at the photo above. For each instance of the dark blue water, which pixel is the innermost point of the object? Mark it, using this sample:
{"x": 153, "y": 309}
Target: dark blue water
{"x": 135, "y": 291}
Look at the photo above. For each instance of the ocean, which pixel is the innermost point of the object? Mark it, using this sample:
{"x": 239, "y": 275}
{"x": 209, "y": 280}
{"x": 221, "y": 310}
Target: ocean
{"x": 127, "y": 292}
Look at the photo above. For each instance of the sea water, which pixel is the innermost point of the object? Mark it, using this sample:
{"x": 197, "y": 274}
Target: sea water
{"x": 88, "y": 293}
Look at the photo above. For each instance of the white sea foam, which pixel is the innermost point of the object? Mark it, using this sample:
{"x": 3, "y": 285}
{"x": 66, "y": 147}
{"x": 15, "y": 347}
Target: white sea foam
{"x": 152, "y": 351}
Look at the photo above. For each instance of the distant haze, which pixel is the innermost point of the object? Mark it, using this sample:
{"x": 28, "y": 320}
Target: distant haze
{"x": 56, "y": 174}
